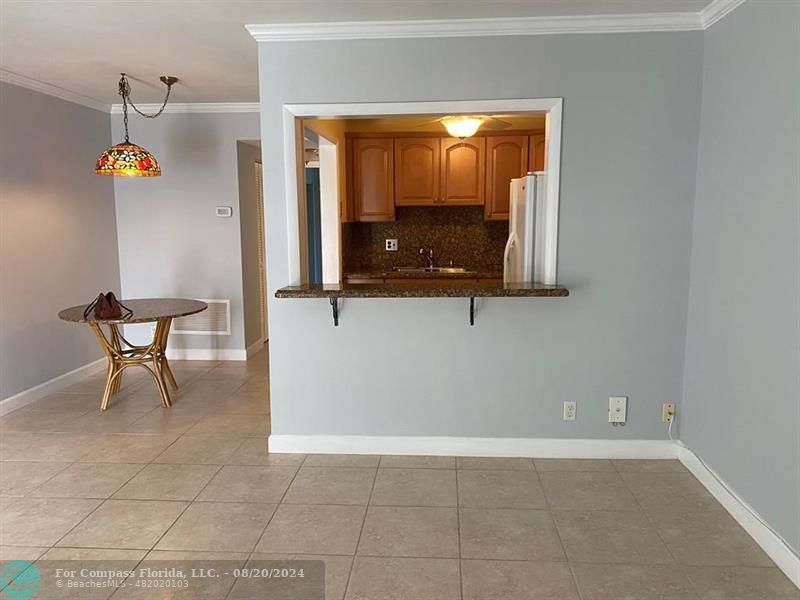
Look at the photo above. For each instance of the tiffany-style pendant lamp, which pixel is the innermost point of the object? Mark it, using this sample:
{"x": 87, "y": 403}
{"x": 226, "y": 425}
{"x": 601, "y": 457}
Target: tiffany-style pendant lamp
{"x": 128, "y": 159}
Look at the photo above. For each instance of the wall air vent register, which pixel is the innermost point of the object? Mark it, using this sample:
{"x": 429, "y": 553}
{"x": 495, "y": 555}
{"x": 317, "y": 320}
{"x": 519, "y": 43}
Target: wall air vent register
{"x": 216, "y": 320}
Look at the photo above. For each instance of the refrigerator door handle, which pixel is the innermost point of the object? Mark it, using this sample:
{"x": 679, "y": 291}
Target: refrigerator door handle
{"x": 509, "y": 246}
{"x": 508, "y": 276}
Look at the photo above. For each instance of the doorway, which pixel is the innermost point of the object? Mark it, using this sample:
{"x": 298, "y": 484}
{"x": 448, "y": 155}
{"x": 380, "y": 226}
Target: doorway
{"x": 314, "y": 224}
{"x": 253, "y": 246}
{"x": 322, "y": 192}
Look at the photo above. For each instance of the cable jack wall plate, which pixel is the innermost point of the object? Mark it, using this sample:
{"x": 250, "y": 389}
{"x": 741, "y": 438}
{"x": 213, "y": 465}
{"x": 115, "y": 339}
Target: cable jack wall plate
{"x": 617, "y": 409}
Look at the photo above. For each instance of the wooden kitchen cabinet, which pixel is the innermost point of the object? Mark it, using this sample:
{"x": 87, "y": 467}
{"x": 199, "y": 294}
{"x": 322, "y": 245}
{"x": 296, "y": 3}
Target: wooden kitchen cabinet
{"x": 536, "y": 152}
{"x": 372, "y": 179}
{"x": 386, "y": 170}
{"x": 439, "y": 171}
{"x": 416, "y": 170}
{"x": 463, "y": 171}
{"x": 506, "y": 159}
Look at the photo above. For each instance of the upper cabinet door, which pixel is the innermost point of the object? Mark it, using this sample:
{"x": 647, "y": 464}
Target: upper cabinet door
{"x": 463, "y": 171}
{"x": 536, "y": 152}
{"x": 506, "y": 159}
{"x": 373, "y": 179}
{"x": 416, "y": 168}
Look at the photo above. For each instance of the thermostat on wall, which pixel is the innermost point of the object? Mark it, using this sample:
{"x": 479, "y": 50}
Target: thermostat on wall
{"x": 224, "y": 211}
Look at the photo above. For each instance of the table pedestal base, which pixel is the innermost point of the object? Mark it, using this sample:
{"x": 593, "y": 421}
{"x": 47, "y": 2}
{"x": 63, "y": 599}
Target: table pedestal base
{"x": 122, "y": 354}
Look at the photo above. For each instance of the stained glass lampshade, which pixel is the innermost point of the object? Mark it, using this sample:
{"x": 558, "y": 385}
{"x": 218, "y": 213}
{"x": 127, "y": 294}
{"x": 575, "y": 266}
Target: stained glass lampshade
{"x": 128, "y": 160}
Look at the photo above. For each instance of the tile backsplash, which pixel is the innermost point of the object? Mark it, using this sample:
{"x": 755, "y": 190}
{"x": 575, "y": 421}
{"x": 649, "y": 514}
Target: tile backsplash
{"x": 456, "y": 233}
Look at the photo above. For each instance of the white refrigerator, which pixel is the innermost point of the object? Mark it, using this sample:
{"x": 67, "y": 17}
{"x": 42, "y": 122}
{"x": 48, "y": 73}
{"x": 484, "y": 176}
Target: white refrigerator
{"x": 524, "y": 257}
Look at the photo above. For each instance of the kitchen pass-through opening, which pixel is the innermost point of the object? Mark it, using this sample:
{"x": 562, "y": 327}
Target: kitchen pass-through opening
{"x": 439, "y": 198}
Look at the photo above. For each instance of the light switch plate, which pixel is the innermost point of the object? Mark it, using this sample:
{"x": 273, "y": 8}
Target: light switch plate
{"x": 391, "y": 245}
{"x": 617, "y": 409}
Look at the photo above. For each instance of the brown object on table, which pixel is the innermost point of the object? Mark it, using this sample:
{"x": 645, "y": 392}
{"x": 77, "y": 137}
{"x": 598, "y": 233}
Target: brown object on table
{"x": 106, "y": 306}
{"x": 122, "y": 354}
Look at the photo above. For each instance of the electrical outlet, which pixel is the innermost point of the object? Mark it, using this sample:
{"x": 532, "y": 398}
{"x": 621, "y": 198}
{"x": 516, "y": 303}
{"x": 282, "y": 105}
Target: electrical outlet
{"x": 667, "y": 412}
{"x": 570, "y": 410}
{"x": 617, "y": 409}
{"x": 391, "y": 245}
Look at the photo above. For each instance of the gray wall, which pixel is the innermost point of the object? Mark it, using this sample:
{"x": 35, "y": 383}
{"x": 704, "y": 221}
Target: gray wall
{"x": 170, "y": 241}
{"x": 249, "y": 154}
{"x": 742, "y": 384}
{"x": 58, "y": 239}
{"x": 415, "y": 367}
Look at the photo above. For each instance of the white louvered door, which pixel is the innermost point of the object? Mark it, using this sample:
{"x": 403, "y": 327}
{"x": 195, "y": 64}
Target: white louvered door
{"x": 262, "y": 254}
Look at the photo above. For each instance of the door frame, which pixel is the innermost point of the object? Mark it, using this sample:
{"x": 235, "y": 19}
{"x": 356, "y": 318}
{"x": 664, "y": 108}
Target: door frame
{"x": 329, "y": 211}
{"x": 258, "y": 169}
{"x": 292, "y": 113}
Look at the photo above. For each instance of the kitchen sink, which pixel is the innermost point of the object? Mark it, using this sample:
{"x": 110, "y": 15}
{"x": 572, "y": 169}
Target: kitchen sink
{"x": 432, "y": 270}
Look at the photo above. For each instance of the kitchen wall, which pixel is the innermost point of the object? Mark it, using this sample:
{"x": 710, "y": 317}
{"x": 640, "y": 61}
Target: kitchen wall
{"x": 414, "y": 366}
{"x": 456, "y": 233}
{"x": 170, "y": 241}
{"x": 58, "y": 239}
{"x": 249, "y": 153}
{"x": 742, "y": 390}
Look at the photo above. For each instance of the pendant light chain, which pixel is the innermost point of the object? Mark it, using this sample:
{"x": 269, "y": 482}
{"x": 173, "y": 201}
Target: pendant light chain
{"x": 160, "y": 110}
{"x": 125, "y": 92}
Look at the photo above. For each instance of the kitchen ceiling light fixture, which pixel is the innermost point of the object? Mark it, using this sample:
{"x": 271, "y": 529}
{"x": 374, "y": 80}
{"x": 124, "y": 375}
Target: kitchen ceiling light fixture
{"x": 462, "y": 126}
{"x": 128, "y": 159}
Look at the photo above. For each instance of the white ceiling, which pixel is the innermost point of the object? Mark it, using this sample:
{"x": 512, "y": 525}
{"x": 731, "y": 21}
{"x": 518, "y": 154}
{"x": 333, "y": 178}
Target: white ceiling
{"x": 82, "y": 45}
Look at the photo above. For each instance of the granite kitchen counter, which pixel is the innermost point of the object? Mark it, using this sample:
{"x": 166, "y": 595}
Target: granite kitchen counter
{"x": 451, "y": 290}
{"x": 479, "y": 273}
{"x": 426, "y": 288}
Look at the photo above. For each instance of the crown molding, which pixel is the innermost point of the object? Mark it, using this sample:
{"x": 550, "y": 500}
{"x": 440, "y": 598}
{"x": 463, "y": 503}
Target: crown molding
{"x": 195, "y": 107}
{"x": 352, "y": 30}
{"x": 717, "y": 10}
{"x": 52, "y": 90}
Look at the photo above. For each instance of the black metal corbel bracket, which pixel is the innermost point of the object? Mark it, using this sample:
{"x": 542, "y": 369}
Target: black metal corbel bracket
{"x": 335, "y": 309}
{"x": 471, "y": 312}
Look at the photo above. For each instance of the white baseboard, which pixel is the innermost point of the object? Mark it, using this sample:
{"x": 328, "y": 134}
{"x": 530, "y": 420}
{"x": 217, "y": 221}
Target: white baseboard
{"x": 469, "y": 446}
{"x": 48, "y": 387}
{"x": 777, "y": 549}
{"x": 255, "y": 347}
{"x": 205, "y": 354}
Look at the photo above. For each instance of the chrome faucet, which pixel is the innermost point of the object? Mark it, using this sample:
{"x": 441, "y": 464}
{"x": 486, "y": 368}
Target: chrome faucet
{"x": 428, "y": 254}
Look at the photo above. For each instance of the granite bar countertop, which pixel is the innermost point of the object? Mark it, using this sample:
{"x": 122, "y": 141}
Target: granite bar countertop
{"x": 479, "y": 273}
{"x": 451, "y": 290}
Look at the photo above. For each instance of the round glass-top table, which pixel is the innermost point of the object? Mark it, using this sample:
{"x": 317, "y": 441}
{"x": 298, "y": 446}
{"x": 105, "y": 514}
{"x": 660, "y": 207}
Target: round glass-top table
{"x": 123, "y": 354}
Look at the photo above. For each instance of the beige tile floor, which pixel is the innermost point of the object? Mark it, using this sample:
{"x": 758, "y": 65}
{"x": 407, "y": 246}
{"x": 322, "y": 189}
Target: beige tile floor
{"x": 141, "y": 483}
